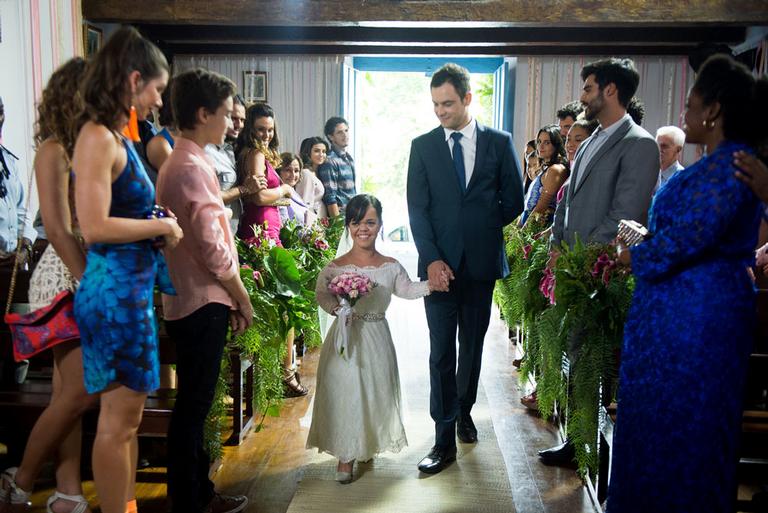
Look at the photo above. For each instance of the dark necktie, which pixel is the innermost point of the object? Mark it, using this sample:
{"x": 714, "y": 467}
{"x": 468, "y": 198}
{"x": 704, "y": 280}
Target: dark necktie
{"x": 458, "y": 161}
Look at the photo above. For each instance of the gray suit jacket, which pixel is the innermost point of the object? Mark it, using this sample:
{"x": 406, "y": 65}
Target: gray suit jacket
{"x": 617, "y": 184}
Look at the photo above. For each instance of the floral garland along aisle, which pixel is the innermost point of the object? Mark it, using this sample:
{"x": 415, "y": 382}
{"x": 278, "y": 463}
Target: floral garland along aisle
{"x": 281, "y": 285}
{"x": 585, "y": 296}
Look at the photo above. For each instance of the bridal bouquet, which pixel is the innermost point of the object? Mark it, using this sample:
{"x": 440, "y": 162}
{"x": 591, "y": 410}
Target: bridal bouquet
{"x": 350, "y": 287}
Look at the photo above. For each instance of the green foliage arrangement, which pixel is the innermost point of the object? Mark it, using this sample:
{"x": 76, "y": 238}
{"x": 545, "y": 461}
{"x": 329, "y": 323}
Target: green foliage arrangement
{"x": 574, "y": 310}
{"x": 518, "y": 294}
{"x": 593, "y": 294}
{"x": 280, "y": 282}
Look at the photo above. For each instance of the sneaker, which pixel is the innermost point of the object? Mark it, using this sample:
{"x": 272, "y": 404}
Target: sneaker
{"x": 227, "y": 503}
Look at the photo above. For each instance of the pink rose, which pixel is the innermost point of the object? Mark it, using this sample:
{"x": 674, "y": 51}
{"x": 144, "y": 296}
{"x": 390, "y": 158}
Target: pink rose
{"x": 527, "y": 251}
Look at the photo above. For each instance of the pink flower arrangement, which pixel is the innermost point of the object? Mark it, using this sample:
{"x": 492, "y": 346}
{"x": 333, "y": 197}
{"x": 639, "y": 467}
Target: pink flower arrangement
{"x": 321, "y": 244}
{"x": 325, "y": 222}
{"x": 547, "y": 285}
{"x": 602, "y": 268}
{"x": 256, "y": 274}
{"x": 351, "y": 286}
{"x": 527, "y": 251}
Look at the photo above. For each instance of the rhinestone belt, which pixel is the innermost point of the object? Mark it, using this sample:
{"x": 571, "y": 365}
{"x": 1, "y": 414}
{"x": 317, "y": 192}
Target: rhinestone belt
{"x": 368, "y": 317}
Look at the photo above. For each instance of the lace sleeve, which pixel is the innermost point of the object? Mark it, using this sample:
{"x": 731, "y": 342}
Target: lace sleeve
{"x": 325, "y": 299}
{"x": 407, "y": 289}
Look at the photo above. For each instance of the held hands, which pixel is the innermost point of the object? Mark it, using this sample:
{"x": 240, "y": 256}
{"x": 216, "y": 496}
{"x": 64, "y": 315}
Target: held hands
{"x": 440, "y": 276}
{"x": 761, "y": 256}
{"x": 753, "y": 172}
{"x": 173, "y": 233}
{"x": 242, "y": 318}
{"x": 623, "y": 254}
{"x": 253, "y": 184}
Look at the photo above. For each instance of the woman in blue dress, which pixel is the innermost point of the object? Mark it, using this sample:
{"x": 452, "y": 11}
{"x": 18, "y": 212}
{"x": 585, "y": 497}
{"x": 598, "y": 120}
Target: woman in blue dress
{"x": 542, "y": 194}
{"x": 689, "y": 332}
{"x": 113, "y": 305}
{"x": 159, "y": 148}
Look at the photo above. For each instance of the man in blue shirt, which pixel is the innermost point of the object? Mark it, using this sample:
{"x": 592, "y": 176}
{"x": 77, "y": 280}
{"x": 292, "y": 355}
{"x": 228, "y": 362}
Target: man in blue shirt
{"x": 338, "y": 171}
{"x": 15, "y": 229}
{"x": 15, "y": 225}
{"x": 670, "y": 140}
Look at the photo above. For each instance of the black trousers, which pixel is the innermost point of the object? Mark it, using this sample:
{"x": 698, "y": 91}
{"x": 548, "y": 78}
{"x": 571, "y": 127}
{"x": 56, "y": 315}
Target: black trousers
{"x": 466, "y": 307}
{"x": 199, "y": 339}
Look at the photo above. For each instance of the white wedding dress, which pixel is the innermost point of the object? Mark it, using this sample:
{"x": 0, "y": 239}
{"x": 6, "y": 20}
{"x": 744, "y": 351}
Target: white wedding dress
{"x": 357, "y": 412}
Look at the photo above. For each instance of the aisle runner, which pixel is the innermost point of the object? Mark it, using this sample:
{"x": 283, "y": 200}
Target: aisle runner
{"x": 477, "y": 482}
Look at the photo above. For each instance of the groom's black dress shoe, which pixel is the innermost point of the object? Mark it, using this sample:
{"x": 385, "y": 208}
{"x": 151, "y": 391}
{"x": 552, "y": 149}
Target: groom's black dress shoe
{"x": 562, "y": 455}
{"x": 437, "y": 459}
{"x": 466, "y": 430}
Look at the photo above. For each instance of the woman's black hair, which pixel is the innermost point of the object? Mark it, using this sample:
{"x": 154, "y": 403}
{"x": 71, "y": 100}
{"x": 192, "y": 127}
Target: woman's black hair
{"x": 305, "y": 149}
{"x": 358, "y": 206}
{"x": 743, "y": 99}
{"x": 559, "y": 155}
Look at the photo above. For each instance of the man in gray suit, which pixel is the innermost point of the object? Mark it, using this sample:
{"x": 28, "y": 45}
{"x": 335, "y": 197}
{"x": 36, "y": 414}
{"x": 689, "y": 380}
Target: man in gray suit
{"x": 614, "y": 174}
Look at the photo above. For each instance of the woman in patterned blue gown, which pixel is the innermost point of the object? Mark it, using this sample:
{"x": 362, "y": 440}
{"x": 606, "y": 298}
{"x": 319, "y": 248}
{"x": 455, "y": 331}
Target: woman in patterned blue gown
{"x": 113, "y": 305}
{"x": 690, "y": 327}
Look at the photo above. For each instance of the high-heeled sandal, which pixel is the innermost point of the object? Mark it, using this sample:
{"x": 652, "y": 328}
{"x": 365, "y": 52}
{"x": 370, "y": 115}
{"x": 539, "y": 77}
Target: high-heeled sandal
{"x": 10, "y": 493}
{"x": 345, "y": 477}
{"x": 530, "y": 401}
{"x": 81, "y": 503}
{"x": 292, "y": 387}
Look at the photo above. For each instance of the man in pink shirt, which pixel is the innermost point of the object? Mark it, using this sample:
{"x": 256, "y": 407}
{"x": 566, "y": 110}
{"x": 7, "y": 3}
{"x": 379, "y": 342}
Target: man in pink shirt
{"x": 206, "y": 274}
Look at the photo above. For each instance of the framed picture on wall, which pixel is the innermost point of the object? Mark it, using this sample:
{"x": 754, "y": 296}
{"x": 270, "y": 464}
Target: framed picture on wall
{"x": 92, "y": 39}
{"x": 255, "y": 86}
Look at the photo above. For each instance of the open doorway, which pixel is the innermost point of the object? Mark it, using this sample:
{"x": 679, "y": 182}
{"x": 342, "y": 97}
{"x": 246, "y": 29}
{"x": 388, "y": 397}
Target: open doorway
{"x": 391, "y": 107}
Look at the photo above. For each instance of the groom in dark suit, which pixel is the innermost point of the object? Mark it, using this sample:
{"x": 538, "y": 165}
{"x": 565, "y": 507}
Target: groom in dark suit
{"x": 464, "y": 185}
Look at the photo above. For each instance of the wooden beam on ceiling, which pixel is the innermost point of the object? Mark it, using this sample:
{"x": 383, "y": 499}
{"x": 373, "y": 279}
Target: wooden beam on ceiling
{"x": 214, "y": 39}
{"x": 552, "y": 13}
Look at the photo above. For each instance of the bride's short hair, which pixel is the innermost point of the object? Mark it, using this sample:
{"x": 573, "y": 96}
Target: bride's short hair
{"x": 358, "y": 206}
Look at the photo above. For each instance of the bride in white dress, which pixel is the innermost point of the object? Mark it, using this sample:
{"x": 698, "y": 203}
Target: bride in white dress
{"x": 357, "y": 412}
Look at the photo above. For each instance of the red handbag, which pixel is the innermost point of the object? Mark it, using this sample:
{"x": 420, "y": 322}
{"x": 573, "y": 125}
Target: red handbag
{"x": 44, "y": 328}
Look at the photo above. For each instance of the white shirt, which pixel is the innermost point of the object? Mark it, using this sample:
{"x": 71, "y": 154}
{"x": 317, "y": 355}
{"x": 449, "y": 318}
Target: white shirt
{"x": 468, "y": 143}
{"x": 593, "y": 145}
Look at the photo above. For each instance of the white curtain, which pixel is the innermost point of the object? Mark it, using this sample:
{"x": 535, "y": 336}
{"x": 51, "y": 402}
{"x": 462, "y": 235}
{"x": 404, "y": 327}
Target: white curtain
{"x": 304, "y": 91}
{"x": 544, "y": 84}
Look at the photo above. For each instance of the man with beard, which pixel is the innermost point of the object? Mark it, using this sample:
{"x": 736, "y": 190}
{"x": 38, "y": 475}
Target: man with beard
{"x": 613, "y": 177}
{"x": 224, "y": 162}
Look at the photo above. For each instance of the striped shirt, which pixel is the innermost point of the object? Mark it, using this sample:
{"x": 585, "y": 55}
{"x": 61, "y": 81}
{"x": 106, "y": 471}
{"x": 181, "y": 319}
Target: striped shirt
{"x": 338, "y": 177}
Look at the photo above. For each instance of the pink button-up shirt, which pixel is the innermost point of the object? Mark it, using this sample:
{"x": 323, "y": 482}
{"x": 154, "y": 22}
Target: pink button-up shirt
{"x": 187, "y": 185}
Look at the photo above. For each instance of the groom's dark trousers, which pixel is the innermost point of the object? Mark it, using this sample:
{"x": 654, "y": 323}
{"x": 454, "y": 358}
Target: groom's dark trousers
{"x": 467, "y": 306}
{"x": 463, "y": 228}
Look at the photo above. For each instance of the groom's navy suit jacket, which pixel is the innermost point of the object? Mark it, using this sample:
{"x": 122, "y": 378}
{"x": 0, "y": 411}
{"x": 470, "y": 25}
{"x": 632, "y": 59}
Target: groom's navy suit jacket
{"x": 448, "y": 224}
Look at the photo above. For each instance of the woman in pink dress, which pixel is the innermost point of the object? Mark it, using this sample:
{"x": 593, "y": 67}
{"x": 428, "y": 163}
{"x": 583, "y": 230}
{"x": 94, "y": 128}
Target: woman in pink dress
{"x": 257, "y": 156}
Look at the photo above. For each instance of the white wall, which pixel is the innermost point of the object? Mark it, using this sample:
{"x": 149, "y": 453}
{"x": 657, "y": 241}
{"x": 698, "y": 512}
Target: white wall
{"x": 304, "y": 91}
{"x": 544, "y": 84}
{"x": 16, "y": 87}
{"x": 37, "y": 36}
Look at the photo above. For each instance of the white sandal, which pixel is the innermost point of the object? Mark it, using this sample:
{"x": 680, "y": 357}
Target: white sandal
{"x": 81, "y": 505}
{"x": 10, "y": 493}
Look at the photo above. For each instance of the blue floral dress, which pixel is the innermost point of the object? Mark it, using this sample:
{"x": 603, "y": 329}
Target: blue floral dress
{"x": 114, "y": 303}
{"x": 534, "y": 193}
{"x": 686, "y": 345}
